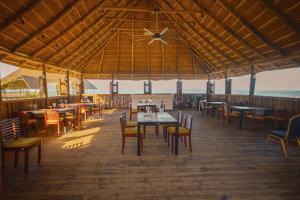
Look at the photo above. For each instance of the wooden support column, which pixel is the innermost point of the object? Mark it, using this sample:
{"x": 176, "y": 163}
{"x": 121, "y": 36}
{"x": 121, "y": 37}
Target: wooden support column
{"x": 81, "y": 85}
{"x": 252, "y": 85}
{"x": 148, "y": 86}
{"x": 114, "y": 89}
{"x": 68, "y": 85}
{"x": 227, "y": 86}
{"x": 179, "y": 87}
{"x": 44, "y": 84}
{"x": 208, "y": 89}
{"x": 0, "y": 96}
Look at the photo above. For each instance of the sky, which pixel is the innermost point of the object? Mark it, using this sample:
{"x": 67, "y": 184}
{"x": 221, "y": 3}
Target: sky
{"x": 287, "y": 79}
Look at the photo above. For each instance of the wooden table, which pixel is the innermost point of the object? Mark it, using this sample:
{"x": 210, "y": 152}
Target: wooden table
{"x": 214, "y": 105}
{"x": 242, "y": 110}
{"x": 159, "y": 118}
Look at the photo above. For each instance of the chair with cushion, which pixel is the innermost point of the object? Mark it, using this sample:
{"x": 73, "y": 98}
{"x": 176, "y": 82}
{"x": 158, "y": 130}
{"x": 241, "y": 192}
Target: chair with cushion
{"x": 129, "y": 123}
{"x": 97, "y": 111}
{"x": 180, "y": 123}
{"x": 183, "y": 131}
{"x": 52, "y": 118}
{"x": 205, "y": 109}
{"x": 229, "y": 117}
{"x": 132, "y": 111}
{"x": 129, "y": 132}
{"x": 27, "y": 122}
{"x": 258, "y": 116}
{"x": 11, "y": 141}
{"x": 74, "y": 118}
{"x": 282, "y": 137}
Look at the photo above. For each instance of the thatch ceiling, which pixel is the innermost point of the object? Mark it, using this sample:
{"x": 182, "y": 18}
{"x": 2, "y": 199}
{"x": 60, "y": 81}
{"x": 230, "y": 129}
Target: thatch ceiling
{"x": 95, "y": 37}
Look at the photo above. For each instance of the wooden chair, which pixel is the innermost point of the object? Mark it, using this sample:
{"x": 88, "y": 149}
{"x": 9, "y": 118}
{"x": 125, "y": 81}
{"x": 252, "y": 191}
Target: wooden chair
{"x": 129, "y": 132}
{"x": 229, "y": 117}
{"x": 75, "y": 119}
{"x": 183, "y": 131}
{"x": 132, "y": 111}
{"x": 26, "y": 122}
{"x": 258, "y": 116}
{"x": 205, "y": 110}
{"x": 97, "y": 111}
{"x": 85, "y": 111}
{"x": 52, "y": 118}
{"x": 282, "y": 137}
{"x": 129, "y": 123}
{"x": 11, "y": 141}
{"x": 179, "y": 120}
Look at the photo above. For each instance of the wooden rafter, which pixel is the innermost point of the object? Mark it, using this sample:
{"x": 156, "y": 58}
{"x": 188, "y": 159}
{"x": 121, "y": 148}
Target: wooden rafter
{"x": 69, "y": 29}
{"x": 146, "y": 10}
{"x": 101, "y": 60}
{"x": 148, "y": 20}
{"x": 251, "y": 28}
{"x": 50, "y": 23}
{"x": 118, "y": 52}
{"x": 280, "y": 15}
{"x": 19, "y": 15}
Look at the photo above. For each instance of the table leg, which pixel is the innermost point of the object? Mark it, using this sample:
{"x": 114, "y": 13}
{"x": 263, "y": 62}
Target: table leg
{"x": 138, "y": 140}
{"x": 176, "y": 139}
{"x": 241, "y": 118}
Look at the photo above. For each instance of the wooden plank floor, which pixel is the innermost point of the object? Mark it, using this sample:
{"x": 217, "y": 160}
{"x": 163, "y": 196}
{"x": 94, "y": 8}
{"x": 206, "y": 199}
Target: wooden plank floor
{"x": 226, "y": 163}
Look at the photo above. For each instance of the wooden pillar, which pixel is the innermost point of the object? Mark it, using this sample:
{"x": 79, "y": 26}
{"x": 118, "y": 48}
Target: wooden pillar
{"x": 114, "y": 89}
{"x": 227, "y": 86}
{"x": 44, "y": 84}
{"x": 68, "y": 85}
{"x": 147, "y": 87}
{"x": 0, "y": 96}
{"x": 208, "y": 89}
{"x": 252, "y": 85}
{"x": 81, "y": 85}
{"x": 179, "y": 87}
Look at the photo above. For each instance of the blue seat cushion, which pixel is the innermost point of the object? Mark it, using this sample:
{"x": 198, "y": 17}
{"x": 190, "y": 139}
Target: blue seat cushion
{"x": 278, "y": 133}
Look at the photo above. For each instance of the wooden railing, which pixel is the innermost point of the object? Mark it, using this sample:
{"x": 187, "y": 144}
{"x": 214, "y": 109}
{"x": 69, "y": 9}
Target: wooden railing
{"x": 292, "y": 105}
{"x": 11, "y": 108}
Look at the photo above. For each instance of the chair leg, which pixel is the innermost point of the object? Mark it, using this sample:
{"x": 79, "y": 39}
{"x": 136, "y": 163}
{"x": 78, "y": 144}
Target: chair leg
{"x": 190, "y": 142}
{"x": 2, "y": 159}
{"x": 16, "y": 157}
{"x": 39, "y": 153}
{"x": 142, "y": 145}
{"x": 26, "y": 160}
{"x": 58, "y": 129}
{"x": 284, "y": 149}
{"x": 35, "y": 129}
{"x": 172, "y": 145}
{"x": 144, "y": 130}
{"x": 181, "y": 139}
{"x": 123, "y": 144}
{"x": 156, "y": 130}
{"x": 168, "y": 139}
{"x": 185, "y": 141}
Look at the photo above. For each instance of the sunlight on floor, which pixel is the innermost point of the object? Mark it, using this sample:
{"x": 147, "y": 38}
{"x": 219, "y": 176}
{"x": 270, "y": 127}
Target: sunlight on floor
{"x": 79, "y": 139}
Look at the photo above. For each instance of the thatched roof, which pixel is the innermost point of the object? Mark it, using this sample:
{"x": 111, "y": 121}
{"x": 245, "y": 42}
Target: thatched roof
{"x": 97, "y": 38}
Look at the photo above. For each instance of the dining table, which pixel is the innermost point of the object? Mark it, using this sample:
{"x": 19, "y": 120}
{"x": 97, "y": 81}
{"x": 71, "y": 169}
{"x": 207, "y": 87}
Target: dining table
{"x": 157, "y": 118}
{"x": 214, "y": 104}
{"x": 243, "y": 109}
{"x": 142, "y": 106}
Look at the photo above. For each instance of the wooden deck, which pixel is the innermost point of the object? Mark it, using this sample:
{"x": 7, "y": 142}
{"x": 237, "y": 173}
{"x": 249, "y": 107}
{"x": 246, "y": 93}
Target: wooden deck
{"x": 226, "y": 163}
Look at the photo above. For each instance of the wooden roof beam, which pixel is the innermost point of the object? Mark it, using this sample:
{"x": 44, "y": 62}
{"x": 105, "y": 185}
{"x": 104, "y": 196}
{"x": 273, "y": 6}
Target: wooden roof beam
{"x": 93, "y": 25}
{"x": 280, "y": 15}
{"x": 215, "y": 36}
{"x": 19, "y": 14}
{"x": 52, "y": 21}
{"x": 90, "y": 41}
{"x": 69, "y": 29}
{"x": 251, "y": 28}
{"x": 146, "y": 10}
{"x": 148, "y": 20}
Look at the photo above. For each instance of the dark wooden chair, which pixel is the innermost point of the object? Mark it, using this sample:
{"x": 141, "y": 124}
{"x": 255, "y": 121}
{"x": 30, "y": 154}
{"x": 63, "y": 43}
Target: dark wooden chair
{"x": 11, "y": 140}
{"x": 229, "y": 117}
{"x": 97, "y": 111}
{"x": 27, "y": 122}
{"x": 74, "y": 119}
{"x": 166, "y": 126}
{"x": 205, "y": 109}
{"x": 183, "y": 131}
{"x": 129, "y": 132}
{"x": 132, "y": 112}
{"x": 282, "y": 137}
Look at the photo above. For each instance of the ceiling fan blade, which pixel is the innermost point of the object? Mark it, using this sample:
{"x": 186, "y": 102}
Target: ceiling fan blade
{"x": 163, "y": 31}
{"x": 149, "y": 32}
{"x": 163, "y": 41}
{"x": 151, "y": 41}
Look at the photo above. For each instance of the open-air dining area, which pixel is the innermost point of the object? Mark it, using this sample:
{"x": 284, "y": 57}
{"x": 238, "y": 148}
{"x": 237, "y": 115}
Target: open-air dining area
{"x": 140, "y": 99}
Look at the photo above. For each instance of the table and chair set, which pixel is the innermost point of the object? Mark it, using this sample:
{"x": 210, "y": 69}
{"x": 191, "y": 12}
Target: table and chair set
{"x": 15, "y": 131}
{"x": 152, "y": 114}
{"x": 284, "y": 126}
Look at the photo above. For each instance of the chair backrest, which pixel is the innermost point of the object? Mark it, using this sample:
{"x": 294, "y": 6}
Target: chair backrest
{"x": 124, "y": 114}
{"x": 225, "y": 110}
{"x": 294, "y": 127}
{"x": 23, "y": 116}
{"x": 51, "y": 115}
{"x": 123, "y": 122}
{"x": 188, "y": 122}
{"x": 179, "y": 117}
{"x": 10, "y": 130}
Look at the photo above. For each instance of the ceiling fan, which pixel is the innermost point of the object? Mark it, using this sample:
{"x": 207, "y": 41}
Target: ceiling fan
{"x": 156, "y": 36}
